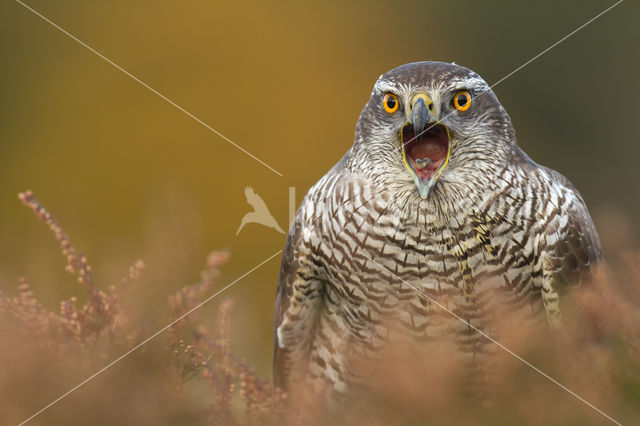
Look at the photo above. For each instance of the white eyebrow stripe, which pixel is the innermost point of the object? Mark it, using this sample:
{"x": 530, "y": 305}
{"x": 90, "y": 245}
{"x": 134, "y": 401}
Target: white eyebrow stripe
{"x": 384, "y": 86}
{"x": 473, "y": 82}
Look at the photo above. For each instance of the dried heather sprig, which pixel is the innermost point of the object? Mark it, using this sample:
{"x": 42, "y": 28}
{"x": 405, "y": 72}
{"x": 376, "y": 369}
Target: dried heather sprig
{"x": 134, "y": 273}
{"x": 191, "y": 295}
{"x": 99, "y": 320}
{"x": 76, "y": 262}
{"x": 221, "y": 369}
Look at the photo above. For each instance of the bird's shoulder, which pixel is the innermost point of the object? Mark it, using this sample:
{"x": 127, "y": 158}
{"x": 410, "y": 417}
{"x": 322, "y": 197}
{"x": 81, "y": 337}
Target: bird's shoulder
{"x": 548, "y": 184}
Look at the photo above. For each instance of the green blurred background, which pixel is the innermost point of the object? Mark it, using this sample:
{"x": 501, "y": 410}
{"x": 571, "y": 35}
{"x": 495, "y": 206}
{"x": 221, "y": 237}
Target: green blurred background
{"x": 129, "y": 176}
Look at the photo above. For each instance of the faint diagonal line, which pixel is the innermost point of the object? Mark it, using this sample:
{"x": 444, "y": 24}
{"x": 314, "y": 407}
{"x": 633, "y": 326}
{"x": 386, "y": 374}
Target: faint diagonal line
{"x": 551, "y": 379}
{"x": 127, "y": 73}
{"x": 522, "y": 66}
{"x": 556, "y": 43}
{"x": 509, "y": 75}
{"x": 500, "y": 345}
{"x": 147, "y": 340}
{"x": 421, "y": 293}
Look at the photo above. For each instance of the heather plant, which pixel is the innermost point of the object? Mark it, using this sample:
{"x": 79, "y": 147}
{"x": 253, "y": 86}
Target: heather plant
{"x": 100, "y": 321}
{"x": 190, "y": 374}
{"x": 77, "y": 340}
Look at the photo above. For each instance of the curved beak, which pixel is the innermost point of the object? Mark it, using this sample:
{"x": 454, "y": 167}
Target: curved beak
{"x": 425, "y": 145}
{"x": 420, "y": 114}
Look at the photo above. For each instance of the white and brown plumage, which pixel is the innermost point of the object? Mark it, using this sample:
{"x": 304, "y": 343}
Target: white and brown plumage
{"x": 458, "y": 211}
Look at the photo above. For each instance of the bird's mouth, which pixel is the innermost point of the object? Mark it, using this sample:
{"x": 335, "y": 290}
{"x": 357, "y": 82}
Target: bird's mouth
{"x": 426, "y": 154}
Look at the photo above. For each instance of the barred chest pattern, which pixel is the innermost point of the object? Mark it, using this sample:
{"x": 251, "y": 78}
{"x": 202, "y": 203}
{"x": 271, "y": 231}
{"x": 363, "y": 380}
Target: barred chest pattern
{"x": 368, "y": 254}
{"x": 480, "y": 261}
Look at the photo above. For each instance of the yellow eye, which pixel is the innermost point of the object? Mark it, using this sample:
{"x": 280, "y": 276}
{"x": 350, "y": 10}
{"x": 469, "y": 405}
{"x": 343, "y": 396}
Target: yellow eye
{"x": 462, "y": 100}
{"x": 390, "y": 103}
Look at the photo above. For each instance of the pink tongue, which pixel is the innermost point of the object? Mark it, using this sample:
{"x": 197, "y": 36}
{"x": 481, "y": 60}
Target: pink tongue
{"x": 428, "y": 149}
{"x": 431, "y": 149}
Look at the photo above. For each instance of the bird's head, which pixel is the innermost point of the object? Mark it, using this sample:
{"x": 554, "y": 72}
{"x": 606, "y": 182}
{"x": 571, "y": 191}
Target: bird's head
{"x": 430, "y": 122}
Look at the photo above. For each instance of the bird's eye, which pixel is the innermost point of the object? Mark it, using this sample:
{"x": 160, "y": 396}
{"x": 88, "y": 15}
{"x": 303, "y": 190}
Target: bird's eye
{"x": 390, "y": 103}
{"x": 462, "y": 100}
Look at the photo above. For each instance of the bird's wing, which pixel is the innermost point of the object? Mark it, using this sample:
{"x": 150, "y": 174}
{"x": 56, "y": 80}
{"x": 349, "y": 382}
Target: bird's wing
{"x": 577, "y": 249}
{"x": 570, "y": 247}
{"x": 301, "y": 286}
{"x": 299, "y": 300}
{"x": 288, "y": 269}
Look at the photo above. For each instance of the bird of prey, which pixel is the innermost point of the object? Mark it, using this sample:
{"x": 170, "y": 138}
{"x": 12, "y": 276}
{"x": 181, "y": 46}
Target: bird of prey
{"x": 436, "y": 196}
{"x": 260, "y": 213}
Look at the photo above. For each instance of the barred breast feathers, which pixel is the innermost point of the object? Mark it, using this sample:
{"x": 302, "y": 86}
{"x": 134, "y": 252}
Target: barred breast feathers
{"x": 509, "y": 235}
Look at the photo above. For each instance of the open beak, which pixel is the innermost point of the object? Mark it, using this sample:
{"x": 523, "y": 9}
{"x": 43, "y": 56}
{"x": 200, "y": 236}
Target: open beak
{"x": 425, "y": 145}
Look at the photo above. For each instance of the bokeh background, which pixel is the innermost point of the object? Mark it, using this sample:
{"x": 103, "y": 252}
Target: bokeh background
{"x": 129, "y": 176}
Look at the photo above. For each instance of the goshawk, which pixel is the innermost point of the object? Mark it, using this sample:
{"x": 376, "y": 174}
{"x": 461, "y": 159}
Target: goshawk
{"x": 436, "y": 196}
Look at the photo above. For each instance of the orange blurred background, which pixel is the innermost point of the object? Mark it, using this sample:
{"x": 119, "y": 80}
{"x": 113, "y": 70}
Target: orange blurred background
{"x": 130, "y": 176}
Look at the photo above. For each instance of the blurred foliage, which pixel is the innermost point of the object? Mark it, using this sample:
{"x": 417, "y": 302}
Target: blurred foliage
{"x": 50, "y": 351}
{"x": 132, "y": 177}
{"x": 187, "y": 373}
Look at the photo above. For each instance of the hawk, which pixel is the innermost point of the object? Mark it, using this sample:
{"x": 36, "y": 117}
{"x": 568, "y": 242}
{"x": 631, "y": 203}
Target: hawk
{"x": 434, "y": 197}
